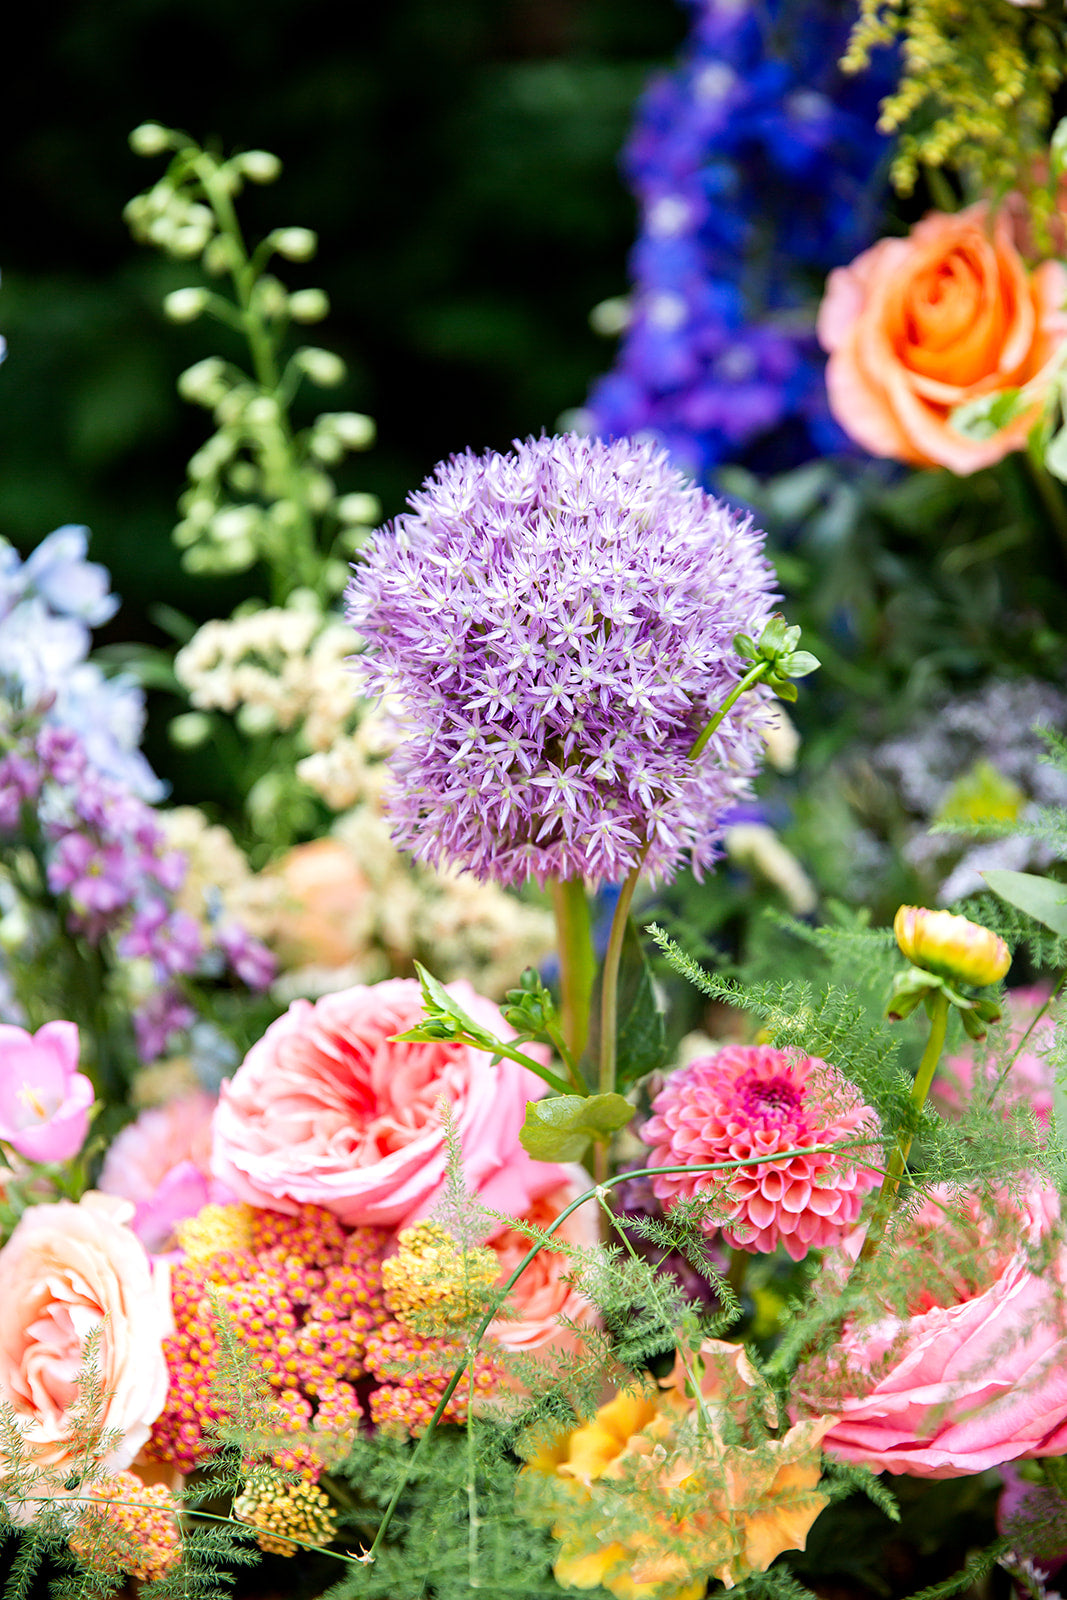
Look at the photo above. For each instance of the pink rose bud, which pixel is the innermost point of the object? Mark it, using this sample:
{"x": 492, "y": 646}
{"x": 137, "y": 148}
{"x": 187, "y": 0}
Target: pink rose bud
{"x": 44, "y": 1099}
{"x": 951, "y": 946}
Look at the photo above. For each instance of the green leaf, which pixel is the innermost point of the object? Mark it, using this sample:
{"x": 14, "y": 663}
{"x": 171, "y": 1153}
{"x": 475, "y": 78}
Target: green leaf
{"x": 562, "y": 1128}
{"x": 981, "y": 419}
{"x": 1041, "y": 898}
{"x": 1056, "y": 455}
{"x": 799, "y": 664}
{"x": 1058, "y": 148}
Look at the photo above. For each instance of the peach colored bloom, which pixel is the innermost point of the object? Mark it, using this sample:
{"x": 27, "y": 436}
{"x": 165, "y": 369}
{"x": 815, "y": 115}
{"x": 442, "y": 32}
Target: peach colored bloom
{"x": 44, "y": 1099}
{"x": 964, "y": 1370}
{"x": 326, "y": 1110}
{"x": 162, "y": 1162}
{"x": 321, "y": 920}
{"x": 915, "y": 327}
{"x": 654, "y": 1496}
{"x": 544, "y": 1294}
{"x": 75, "y": 1276}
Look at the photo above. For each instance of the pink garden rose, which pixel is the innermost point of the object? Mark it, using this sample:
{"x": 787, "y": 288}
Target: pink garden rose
{"x": 325, "y": 1110}
{"x": 44, "y": 1099}
{"x": 967, "y": 1369}
{"x": 1029, "y": 1079}
{"x": 68, "y": 1272}
{"x": 162, "y": 1162}
{"x": 543, "y": 1294}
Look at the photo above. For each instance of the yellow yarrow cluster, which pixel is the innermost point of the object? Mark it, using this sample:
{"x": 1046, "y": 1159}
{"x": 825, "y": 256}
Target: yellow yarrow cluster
{"x": 432, "y": 1283}
{"x": 215, "y": 1231}
{"x": 284, "y": 1513}
{"x": 982, "y": 75}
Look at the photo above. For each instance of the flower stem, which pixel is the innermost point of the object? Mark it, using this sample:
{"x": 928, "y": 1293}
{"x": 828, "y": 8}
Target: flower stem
{"x": 1020, "y": 1047}
{"x": 753, "y": 675}
{"x": 609, "y": 982}
{"x": 898, "y": 1160}
{"x": 577, "y": 960}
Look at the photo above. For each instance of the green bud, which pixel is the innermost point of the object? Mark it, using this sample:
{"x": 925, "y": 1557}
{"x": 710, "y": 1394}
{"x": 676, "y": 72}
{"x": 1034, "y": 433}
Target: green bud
{"x": 235, "y": 522}
{"x": 295, "y": 244}
{"x": 270, "y": 298}
{"x": 321, "y": 366}
{"x": 185, "y": 305}
{"x": 203, "y": 383}
{"x": 221, "y": 255}
{"x": 355, "y": 431}
{"x": 309, "y": 305}
{"x": 150, "y": 139}
{"x": 325, "y": 446}
{"x": 254, "y": 720}
{"x": 260, "y": 166}
{"x": 335, "y": 575}
{"x": 362, "y": 508}
{"x": 191, "y": 729}
{"x": 319, "y": 490}
{"x": 611, "y": 317}
{"x": 188, "y": 241}
{"x": 262, "y": 412}
{"x": 186, "y": 533}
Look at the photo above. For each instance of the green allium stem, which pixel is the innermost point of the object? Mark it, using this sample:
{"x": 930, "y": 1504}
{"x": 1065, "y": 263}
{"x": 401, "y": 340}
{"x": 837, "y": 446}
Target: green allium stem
{"x": 577, "y": 960}
{"x": 919, "y": 1091}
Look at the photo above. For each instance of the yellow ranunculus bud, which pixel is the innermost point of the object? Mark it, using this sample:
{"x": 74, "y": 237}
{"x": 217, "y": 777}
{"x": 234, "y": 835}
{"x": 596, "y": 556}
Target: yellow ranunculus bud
{"x": 951, "y": 946}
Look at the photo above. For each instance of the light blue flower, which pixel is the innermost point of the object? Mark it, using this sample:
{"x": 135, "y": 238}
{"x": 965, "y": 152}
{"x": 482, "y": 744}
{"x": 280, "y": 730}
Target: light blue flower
{"x": 58, "y": 572}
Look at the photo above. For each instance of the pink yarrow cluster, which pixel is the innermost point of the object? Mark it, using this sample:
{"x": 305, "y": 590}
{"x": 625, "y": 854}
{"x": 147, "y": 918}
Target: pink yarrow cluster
{"x": 752, "y": 1101}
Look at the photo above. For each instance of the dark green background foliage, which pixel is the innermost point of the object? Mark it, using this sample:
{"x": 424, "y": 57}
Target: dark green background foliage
{"x": 458, "y": 160}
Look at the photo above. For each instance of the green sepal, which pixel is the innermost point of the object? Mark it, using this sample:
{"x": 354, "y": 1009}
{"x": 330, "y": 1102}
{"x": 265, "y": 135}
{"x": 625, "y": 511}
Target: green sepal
{"x": 973, "y": 1026}
{"x": 910, "y": 988}
{"x": 563, "y": 1127}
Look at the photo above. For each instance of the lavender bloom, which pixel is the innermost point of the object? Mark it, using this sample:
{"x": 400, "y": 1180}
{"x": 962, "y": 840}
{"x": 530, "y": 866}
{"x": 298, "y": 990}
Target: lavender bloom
{"x": 558, "y": 626}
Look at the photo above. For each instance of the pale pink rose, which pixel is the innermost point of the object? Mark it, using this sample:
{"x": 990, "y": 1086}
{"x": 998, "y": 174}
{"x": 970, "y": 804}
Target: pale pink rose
{"x": 1029, "y": 1078}
{"x": 70, "y": 1272}
{"x": 44, "y": 1099}
{"x": 162, "y": 1162}
{"x": 918, "y": 326}
{"x": 325, "y": 1110}
{"x": 543, "y": 1294}
{"x": 970, "y": 1373}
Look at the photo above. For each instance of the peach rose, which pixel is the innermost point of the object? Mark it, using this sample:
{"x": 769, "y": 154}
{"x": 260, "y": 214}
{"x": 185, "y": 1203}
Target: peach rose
{"x": 543, "y": 1294}
{"x": 70, "y": 1272}
{"x": 326, "y": 1110}
{"x": 917, "y": 326}
{"x": 969, "y": 1371}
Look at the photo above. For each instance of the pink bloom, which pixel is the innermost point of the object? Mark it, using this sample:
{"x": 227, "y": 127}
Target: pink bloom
{"x": 544, "y": 1294}
{"x": 162, "y": 1162}
{"x": 326, "y": 1110}
{"x": 1029, "y": 1079}
{"x": 966, "y": 1369}
{"x": 44, "y": 1099}
{"x": 752, "y": 1101}
{"x": 71, "y": 1273}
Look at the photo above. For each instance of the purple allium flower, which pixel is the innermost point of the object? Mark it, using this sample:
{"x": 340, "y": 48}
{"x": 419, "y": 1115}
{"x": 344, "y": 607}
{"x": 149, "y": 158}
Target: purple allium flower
{"x": 558, "y": 626}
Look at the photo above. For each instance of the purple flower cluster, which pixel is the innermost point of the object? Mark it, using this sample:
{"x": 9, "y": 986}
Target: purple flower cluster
{"x": 557, "y": 624}
{"x": 757, "y": 167}
{"x": 108, "y": 862}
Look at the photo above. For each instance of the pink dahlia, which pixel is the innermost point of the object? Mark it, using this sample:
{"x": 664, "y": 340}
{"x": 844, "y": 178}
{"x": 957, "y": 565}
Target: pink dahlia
{"x": 750, "y": 1101}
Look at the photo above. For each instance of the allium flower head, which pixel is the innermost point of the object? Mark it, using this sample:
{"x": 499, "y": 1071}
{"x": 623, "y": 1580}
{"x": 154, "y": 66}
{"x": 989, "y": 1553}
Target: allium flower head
{"x": 750, "y": 1101}
{"x": 557, "y": 625}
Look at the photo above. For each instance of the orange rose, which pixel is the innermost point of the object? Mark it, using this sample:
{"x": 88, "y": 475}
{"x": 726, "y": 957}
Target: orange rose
{"x": 918, "y": 326}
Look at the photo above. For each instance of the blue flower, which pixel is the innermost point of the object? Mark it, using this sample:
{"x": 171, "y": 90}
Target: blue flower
{"x": 757, "y": 167}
